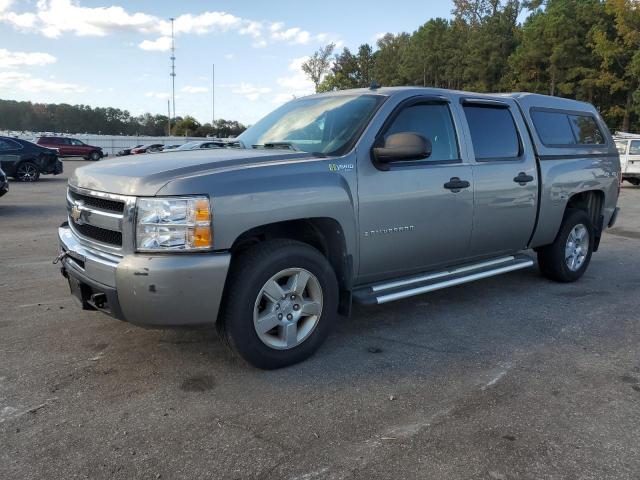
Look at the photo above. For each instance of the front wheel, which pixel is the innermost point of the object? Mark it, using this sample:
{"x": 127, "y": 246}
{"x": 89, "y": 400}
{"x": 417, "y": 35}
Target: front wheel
{"x": 281, "y": 301}
{"x": 27, "y": 172}
{"x": 568, "y": 257}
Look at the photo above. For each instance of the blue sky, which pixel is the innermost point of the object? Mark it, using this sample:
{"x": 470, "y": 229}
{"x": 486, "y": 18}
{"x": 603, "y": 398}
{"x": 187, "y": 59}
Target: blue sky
{"x": 114, "y": 52}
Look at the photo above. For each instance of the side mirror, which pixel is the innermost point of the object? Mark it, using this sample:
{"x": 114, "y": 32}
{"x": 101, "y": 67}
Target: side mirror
{"x": 402, "y": 147}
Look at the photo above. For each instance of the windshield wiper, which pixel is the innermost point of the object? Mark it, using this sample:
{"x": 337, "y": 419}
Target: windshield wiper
{"x": 277, "y": 145}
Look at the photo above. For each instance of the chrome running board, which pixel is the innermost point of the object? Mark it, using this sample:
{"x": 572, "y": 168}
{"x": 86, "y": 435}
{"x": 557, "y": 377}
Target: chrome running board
{"x": 398, "y": 289}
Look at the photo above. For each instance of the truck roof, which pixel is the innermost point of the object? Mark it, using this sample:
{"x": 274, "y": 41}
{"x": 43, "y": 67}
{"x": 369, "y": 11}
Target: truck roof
{"x": 523, "y": 98}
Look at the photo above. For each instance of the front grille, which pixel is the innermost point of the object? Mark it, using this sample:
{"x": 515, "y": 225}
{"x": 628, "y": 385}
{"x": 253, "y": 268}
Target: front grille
{"x": 98, "y": 234}
{"x": 98, "y": 202}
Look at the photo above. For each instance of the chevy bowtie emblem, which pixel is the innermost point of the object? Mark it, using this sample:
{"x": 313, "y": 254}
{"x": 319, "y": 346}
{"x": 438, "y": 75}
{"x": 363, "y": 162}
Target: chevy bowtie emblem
{"x": 76, "y": 213}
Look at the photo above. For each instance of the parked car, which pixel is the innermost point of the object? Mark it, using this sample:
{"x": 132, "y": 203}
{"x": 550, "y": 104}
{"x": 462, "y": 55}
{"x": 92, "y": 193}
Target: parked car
{"x": 126, "y": 151}
{"x": 171, "y": 147}
{"x": 25, "y": 161}
{"x": 4, "y": 183}
{"x": 71, "y": 147}
{"x": 148, "y": 148}
{"x": 368, "y": 196}
{"x": 628, "y": 145}
{"x": 198, "y": 145}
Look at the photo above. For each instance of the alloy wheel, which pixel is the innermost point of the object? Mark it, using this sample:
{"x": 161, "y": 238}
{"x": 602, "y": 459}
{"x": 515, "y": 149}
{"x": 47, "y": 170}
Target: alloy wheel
{"x": 288, "y": 308}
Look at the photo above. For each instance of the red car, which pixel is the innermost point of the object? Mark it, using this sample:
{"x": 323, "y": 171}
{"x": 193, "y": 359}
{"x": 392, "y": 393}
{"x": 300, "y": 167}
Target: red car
{"x": 71, "y": 147}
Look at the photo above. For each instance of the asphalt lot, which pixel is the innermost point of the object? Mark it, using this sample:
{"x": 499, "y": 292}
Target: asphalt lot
{"x": 513, "y": 377}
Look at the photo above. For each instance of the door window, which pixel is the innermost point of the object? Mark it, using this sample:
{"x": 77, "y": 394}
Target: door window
{"x": 433, "y": 121}
{"x": 634, "y": 148}
{"x": 493, "y": 133}
{"x": 6, "y": 145}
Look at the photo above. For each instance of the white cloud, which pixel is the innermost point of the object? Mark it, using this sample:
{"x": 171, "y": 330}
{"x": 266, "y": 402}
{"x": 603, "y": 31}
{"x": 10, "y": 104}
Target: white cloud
{"x": 28, "y": 83}
{"x": 53, "y": 18}
{"x": 5, "y": 4}
{"x": 204, "y": 23}
{"x": 252, "y": 28}
{"x": 159, "y": 95}
{"x": 160, "y": 44}
{"x": 192, "y": 89}
{"x": 297, "y": 84}
{"x": 249, "y": 91}
{"x": 292, "y": 35}
{"x": 58, "y": 16}
{"x": 18, "y": 59}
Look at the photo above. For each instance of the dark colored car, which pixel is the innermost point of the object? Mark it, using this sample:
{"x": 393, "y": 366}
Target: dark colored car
{"x": 25, "y": 161}
{"x": 148, "y": 148}
{"x": 71, "y": 147}
{"x": 4, "y": 183}
{"x": 199, "y": 145}
{"x": 126, "y": 151}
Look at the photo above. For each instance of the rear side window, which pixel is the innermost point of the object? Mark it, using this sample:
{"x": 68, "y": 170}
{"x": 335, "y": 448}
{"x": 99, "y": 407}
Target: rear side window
{"x": 6, "y": 144}
{"x": 433, "y": 121}
{"x": 586, "y": 130}
{"x": 553, "y": 128}
{"x": 566, "y": 129}
{"x": 493, "y": 133}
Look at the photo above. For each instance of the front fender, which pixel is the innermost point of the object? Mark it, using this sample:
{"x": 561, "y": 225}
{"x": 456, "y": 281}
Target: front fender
{"x": 247, "y": 198}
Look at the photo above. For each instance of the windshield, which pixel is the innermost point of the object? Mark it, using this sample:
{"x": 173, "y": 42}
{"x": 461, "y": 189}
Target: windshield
{"x": 325, "y": 125}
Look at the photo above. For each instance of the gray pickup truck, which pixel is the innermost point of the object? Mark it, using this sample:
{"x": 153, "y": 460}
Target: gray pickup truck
{"x": 365, "y": 196}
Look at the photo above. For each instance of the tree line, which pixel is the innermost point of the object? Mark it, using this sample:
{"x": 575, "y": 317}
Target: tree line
{"x": 73, "y": 119}
{"x": 582, "y": 49}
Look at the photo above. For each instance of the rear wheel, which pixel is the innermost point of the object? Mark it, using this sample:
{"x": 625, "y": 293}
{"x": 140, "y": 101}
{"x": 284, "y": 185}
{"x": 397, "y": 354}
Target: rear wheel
{"x": 568, "y": 257}
{"x": 281, "y": 301}
{"x": 27, "y": 172}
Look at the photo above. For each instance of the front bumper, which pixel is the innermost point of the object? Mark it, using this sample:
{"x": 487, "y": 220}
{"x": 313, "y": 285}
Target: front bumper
{"x": 160, "y": 290}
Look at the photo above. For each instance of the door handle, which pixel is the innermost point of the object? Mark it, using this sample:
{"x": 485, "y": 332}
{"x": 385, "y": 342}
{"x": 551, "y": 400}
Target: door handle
{"x": 455, "y": 184}
{"x": 523, "y": 179}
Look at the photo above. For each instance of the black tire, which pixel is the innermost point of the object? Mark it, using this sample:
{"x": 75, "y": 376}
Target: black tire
{"x": 27, "y": 172}
{"x": 94, "y": 156}
{"x": 552, "y": 258}
{"x": 249, "y": 274}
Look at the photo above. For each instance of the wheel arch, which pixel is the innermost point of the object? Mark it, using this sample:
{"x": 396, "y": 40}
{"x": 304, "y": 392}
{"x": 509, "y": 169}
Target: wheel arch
{"x": 591, "y": 202}
{"x": 325, "y": 234}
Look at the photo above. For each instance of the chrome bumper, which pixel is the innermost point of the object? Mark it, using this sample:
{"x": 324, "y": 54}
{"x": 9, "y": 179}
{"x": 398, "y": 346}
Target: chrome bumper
{"x": 159, "y": 290}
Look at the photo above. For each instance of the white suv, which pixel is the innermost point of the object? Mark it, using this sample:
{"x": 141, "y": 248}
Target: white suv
{"x": 628, "y": 145}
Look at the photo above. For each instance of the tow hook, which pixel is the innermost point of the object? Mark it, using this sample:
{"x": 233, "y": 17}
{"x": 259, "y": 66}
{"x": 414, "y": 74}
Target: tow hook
{"x": 60, "y": 257}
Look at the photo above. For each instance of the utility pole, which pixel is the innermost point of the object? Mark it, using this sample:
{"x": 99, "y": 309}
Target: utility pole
{"x": 213, "y": 94}
{"x": 173, "y": 69}
{"x": 169, "y": 117}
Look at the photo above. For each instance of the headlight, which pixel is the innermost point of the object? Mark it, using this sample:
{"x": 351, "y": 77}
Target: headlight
{"x": 173, "y": 223}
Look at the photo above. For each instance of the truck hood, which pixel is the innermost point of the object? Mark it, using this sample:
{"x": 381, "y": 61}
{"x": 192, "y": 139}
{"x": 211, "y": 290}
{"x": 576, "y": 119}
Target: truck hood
{"x": 146, "y": 174}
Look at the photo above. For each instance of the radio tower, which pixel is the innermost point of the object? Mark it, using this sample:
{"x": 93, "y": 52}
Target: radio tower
{"x": 173, "y": 70}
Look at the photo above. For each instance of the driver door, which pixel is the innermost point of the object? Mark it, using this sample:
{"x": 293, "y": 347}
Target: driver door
{"x": 410, "y": 219}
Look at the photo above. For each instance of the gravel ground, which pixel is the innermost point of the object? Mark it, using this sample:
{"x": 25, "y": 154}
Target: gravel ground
{"x": 514, "y": 377}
